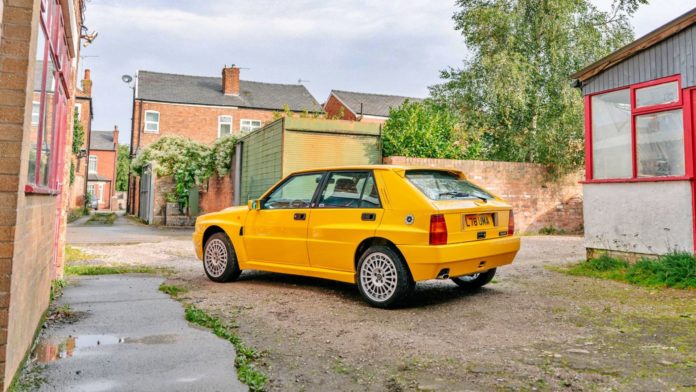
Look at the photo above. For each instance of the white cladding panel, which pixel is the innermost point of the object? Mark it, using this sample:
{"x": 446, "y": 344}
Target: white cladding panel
{"x": 644, "y": 217}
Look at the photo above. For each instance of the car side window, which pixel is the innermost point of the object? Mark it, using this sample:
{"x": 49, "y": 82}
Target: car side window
{"x": 296, "y": 192}
{"x": 349, "y": 190}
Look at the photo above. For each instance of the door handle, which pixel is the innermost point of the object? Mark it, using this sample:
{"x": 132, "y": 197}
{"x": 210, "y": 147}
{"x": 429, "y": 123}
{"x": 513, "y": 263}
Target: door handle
{"x": 300, "y": 216}
{"x": 368, "y": 216}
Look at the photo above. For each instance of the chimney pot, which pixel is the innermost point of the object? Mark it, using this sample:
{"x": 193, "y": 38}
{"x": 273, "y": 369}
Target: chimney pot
{"x": 230, "y": 80}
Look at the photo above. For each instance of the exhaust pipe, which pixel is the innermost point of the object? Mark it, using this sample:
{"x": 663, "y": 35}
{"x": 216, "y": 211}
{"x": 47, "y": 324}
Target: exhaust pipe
{"x": 444, "y": 274}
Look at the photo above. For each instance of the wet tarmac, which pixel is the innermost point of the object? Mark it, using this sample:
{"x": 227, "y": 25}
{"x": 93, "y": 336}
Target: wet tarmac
{"x": 131, "y": 337}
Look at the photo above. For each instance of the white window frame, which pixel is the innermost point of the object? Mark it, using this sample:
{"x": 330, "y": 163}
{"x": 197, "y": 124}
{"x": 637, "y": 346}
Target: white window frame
{"x": 92, "y": 188}
{"x": 249, "y": 125}
{"x": 146, "y": 122}
{"x": 78, "y": 111}
{"x": 35, "y": 105}
{"x": 220, "y": 124}
{"x": 101, "y": 192}
{"x": 89, "y": 164}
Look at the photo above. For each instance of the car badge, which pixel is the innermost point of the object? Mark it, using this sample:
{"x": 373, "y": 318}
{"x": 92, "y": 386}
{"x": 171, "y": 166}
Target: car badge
{"x": 409, "y": 219}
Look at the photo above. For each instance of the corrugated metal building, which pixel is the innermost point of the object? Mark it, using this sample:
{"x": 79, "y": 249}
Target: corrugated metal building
{"x": 290, "y": 144}
{"x": 639, "y": 193}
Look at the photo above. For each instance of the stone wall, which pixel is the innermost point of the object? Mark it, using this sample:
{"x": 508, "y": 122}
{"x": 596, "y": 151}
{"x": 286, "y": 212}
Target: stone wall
{"x": 538, "y": 201}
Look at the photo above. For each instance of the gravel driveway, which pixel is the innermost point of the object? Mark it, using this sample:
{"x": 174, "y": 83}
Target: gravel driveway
{"x": 532, "y": 329}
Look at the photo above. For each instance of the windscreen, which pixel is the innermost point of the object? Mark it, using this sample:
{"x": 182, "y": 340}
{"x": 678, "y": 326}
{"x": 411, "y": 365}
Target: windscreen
{"x": 444, "y": 185}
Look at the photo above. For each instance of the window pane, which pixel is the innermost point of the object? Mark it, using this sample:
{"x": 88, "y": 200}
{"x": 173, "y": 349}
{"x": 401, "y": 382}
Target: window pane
{"x": 657, "y": 95}
{"x": 225, "y": 129}
{"x": 660, "y": 138}
{"x": 611, "y": 135}
{"x": 92, "y": 163}
{"x": 47, "y": 134}
{"x": 443, "y": 185}
{"x": 150, "y": 126}
{"x": 225, "y": 119}
{"x": 343, "y": 190}
{"x": 37, "y": 95}
{"x": 297, "y": 192}
{"x": 152, "y": 116}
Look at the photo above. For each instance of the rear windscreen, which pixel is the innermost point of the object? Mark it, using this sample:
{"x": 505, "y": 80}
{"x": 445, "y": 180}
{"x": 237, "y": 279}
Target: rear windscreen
{"x": 444, "y": 185}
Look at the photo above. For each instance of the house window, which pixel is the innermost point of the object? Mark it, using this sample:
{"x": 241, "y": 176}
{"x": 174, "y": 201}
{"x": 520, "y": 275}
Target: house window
{"x": 92, "y": 163}
{"x": 152, "y": 119}
{"x": 91, "y": 190}
{"x": 49, "y": 112}
{"x": 35, "y": 111}
{"x": 249, "y": 125}
{"x": 224, "y": 126}
{"x": 637, "y": 133}
{"x": 101, "y": 192}
{"x": 78, "y": 111}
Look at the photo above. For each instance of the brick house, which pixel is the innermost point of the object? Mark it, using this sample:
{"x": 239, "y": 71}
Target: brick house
{"x": 347, "y": 105}
{"x": 101, "y": 177}
{"x": 84, "y": 111}
{"x": 39, "y": 49}
{"x": 205, "y": 108}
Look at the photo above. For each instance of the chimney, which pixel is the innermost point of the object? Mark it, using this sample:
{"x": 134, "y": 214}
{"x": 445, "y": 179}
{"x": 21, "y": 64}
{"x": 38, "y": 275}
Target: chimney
{"x": 87, "y": 84}
{"x": 230, "y": 80}
{"x": 116, "y": 137}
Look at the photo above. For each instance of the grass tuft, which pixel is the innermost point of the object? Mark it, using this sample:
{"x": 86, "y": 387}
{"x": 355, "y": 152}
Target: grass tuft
{"x": 246, "y": 356}
{"x": 103, "y": 218}
{"x": 677, "y": 270}
{"x": 172, "y": 290}
{"x": 75, "y": 254}
{"x": 108, "y": 269}
{"x": 57, "y": 287}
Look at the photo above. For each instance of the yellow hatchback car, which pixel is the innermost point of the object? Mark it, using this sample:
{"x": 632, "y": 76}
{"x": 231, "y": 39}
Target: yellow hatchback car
{"x": 381, "y": 227}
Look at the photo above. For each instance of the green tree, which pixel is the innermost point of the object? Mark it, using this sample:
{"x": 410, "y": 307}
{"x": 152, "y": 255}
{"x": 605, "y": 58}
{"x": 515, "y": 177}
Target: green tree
{"x": 513, "y": 92}
{"x": 422, "y": 129}
{"x": 123, "y": 162}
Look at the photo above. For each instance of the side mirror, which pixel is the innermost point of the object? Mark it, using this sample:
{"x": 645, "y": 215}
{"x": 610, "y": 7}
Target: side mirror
{"x": 254, "y": 204}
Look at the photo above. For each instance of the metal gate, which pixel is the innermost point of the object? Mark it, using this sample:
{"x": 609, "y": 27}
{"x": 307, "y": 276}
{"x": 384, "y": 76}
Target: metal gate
{"x": 147, "y": 194}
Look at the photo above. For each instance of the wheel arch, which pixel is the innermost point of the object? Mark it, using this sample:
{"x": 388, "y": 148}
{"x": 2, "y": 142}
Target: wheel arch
{"x": 210, "y": 230}
{"x": 372, "y": 241}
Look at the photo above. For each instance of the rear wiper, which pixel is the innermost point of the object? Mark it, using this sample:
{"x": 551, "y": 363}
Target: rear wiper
{"x": 462, "y": 194}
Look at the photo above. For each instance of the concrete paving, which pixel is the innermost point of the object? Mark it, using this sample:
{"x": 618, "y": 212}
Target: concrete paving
{"x": 131, "y": 337}
{"x": 123, "y": 231}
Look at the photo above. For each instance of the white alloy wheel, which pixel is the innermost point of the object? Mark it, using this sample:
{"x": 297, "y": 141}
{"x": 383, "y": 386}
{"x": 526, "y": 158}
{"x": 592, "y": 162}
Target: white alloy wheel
{"x": 378, "y": 277}
{"x": 215, "y": 258}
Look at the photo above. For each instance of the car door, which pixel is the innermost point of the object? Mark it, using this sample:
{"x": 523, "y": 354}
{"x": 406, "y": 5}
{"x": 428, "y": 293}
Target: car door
{"x": 347, "y": 211}
{"x": 277, "y": 232}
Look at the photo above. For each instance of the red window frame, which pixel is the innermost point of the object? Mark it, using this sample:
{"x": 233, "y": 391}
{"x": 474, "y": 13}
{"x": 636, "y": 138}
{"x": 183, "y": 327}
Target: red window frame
{"x": 51, "y": 25}
{"x": 683, "y": 103}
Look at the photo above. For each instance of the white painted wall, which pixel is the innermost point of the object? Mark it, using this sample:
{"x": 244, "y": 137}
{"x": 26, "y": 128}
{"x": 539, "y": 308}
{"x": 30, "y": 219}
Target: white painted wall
{"x": 646, "y": 217}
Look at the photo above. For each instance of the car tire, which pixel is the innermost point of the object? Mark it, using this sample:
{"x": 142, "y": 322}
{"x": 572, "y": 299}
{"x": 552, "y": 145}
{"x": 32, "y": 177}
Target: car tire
{"x": 476, "y": 280}
{"x": 219, "y": 259}
{"x": 383, "y": 277}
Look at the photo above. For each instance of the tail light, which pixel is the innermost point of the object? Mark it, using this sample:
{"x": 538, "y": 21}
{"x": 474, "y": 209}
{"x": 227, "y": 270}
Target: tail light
{"x": 511, "y": 223}
{"x": 438, "y": 230}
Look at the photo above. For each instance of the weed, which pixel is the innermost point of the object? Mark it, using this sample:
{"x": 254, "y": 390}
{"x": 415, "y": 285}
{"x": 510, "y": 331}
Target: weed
{"x": 77, "y": 213}
{"x": 246, "y": 356}
{"x": 172, "y": 290}
{"x": 57, "y": 287}
{"x": 340, "y": 367}
{"x": 104, "y": 218}
{"x": 75, "y": 254}
{"x": 676, "y": 270}
{"x": 550, "y": 230}
{"x": 110, "y": 269}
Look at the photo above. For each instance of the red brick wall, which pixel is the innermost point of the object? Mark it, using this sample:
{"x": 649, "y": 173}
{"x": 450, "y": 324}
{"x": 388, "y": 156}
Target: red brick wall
{"x": 79, "y": 187}
{"x": 219, "y": 194}
{"x": 537, "y": 201}
{"x": 199, "y": 123}
{"x": 106, "y": 167}
{"x": 333, "y": 106}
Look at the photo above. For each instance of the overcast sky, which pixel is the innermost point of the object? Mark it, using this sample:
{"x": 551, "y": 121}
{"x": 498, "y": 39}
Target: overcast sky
{"x": 378, "y": 46}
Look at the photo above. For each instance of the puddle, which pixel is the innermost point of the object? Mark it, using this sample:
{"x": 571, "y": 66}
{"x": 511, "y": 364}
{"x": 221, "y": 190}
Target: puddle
{"x": 49, "y": 350}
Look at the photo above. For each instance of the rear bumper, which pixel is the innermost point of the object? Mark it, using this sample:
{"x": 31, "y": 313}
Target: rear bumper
{"x": 425, "y": 261}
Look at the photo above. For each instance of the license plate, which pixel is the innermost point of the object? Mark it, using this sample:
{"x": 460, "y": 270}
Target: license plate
{"x": 478, "y": 221}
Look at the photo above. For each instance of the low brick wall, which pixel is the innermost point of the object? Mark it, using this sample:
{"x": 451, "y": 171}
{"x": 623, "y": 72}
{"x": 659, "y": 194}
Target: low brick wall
{"x": 218, "y": 195}
{"x": 538, "y": 202}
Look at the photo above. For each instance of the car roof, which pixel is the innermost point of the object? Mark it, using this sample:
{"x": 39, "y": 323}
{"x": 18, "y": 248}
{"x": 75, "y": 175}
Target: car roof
{"x": 396, "y": 168}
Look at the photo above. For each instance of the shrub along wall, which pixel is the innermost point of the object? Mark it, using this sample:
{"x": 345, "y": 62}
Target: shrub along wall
{"x": 538, "y": 201}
